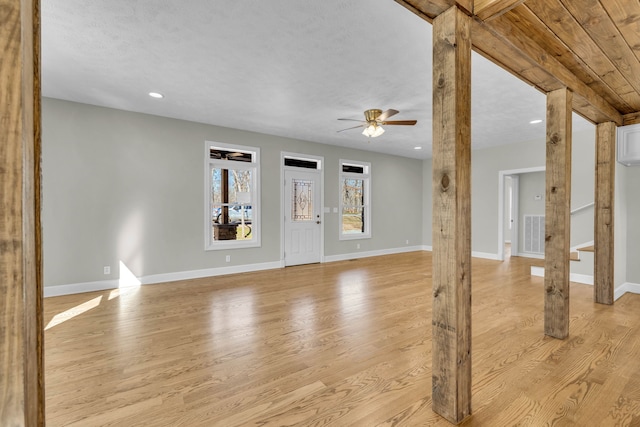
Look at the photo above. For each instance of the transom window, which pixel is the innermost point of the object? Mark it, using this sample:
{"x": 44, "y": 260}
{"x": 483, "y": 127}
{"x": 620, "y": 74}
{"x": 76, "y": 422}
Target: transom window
{"x": 231, "y": 196}
{"x": 355, "y": 195}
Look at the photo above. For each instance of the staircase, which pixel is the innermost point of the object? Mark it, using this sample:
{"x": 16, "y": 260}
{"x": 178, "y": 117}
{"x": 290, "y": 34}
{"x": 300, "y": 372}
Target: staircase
{"x": 575, "y": 255}
{"x": 581, "y": 267}
{"x": 581, "y": 256}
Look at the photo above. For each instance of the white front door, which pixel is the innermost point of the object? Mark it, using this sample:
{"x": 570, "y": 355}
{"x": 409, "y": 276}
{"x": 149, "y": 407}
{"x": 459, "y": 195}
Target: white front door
{"x": 302, "y": 217}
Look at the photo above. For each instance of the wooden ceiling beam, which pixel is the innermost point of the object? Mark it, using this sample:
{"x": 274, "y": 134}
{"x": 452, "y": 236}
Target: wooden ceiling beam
{"x": 509, "y": 47}
{"x": 551, "y": 25}
{"x": 486, "y": 10}
{"x": 587, "y": 103}
{"x": 631, "y": 119}
{"x": 596, "y": 22}
{"x": 429, "y": 9}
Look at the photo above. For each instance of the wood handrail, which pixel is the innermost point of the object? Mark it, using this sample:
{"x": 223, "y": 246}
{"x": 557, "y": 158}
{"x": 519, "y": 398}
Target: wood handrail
{"x": 588, "y": 205}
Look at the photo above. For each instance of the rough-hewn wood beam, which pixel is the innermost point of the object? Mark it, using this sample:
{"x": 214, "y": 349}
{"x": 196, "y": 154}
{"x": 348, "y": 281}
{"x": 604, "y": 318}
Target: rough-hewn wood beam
{"x": 604, "y": 218}
{"x": 550, "y": 24}
{"x": 586, "y": 101}
{"x": 631, "y": 119}
{"x": 507, "y": 46}
{"x": 488, "y": 9}
{"x": 21, "y": 329}
{"x": 429, "y": 9}
{"x": 557, "y": 214}
{"x": 595, "y": 20}
{"x": 451, "y": 324}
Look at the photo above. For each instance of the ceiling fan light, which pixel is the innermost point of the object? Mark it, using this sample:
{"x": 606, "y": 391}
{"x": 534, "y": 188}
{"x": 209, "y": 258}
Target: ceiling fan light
{"x": 369, "y": 130}
{"x": 373, "y": 130}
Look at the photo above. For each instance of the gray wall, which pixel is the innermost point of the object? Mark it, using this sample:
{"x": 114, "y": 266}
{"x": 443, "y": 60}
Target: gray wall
{"x": 427, "y": 178}
{"x": 485, "y": 167}
{"x": 127, "y": 186}
{"x": 122, "y": 186}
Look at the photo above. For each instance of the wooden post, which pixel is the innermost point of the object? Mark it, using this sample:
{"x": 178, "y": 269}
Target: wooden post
{"x": 557, "y": 214}
{"x": 603, "y": 222}
{"x": 451, "y": 324}
{"x": 21, "y": 329}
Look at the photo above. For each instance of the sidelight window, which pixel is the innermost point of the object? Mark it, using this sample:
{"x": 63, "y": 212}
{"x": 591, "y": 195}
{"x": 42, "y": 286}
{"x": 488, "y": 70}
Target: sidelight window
{"x": 355, "y": 203}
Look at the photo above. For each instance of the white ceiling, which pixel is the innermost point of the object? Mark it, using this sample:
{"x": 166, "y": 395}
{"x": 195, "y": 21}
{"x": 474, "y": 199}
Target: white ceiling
{"x": 282, "y": 67}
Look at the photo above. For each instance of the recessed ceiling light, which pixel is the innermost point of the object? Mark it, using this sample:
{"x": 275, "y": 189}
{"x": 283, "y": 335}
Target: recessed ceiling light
{"x": 535, "y": 122}
{"x": 417, "y": 148}
{"x": 156, "y": 95}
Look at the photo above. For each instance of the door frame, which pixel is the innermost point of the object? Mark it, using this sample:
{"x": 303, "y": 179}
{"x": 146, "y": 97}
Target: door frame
{"x": 322, "y": 210}
{"x": 515, "y": 213}
{"x": 501, "y": 219}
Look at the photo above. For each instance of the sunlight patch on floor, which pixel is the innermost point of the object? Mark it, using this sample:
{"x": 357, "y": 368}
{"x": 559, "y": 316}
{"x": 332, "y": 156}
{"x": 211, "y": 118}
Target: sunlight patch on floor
{"x": 73, "y": 312}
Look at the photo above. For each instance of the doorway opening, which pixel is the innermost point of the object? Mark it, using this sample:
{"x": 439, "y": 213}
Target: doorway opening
{"x": 509, "y": 203}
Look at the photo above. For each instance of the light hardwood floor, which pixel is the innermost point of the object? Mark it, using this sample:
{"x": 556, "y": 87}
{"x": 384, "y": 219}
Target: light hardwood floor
{"x": 343, "y": 344}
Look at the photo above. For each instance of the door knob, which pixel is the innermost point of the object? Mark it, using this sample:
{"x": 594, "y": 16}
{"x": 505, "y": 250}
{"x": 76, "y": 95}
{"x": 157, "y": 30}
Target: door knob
{"x": 317, "y": 222}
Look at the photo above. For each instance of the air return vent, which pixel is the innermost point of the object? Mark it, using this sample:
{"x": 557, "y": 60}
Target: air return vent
{"x": 534, "y": 234}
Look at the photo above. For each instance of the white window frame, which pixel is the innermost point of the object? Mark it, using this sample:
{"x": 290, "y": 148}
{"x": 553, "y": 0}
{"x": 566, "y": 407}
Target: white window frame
{"x": 366, "y": 176}
{"x": 254, "y": 165}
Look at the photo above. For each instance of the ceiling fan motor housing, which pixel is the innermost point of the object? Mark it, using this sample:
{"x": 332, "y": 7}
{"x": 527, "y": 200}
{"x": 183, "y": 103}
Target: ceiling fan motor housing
{"x": 372, "y": 115}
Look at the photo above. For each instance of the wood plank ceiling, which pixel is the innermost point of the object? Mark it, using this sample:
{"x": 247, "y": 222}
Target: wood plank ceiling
{"x": 591, "y": 47}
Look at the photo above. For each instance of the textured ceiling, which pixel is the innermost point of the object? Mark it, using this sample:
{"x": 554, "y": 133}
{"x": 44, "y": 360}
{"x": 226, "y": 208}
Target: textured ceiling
{"x": 281, "y": 67}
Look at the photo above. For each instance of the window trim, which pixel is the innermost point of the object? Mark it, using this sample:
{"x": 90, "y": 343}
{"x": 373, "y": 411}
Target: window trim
{"x": 366, "y": 176}
{"x": 209, "y": 163}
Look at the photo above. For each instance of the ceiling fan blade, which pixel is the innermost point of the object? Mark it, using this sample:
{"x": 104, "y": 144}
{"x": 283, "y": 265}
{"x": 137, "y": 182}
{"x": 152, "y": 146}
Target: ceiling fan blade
{"x": 401, "y": 122}
{"x": 390, "y": 112}
{"x": 353, "y": 120}
{"x": 359, "y": 126}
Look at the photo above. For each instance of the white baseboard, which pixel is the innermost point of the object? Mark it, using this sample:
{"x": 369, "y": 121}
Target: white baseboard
{"x": 79, "y": 288}
{"x": 581, "y": 278}
{"x": 209, "y": 272}
{"x": 632, "y": 288}
{"x": 573, "y": 277}
{"x": 485, "y": 255}
{"x": 103, "y": 285}
{"x": 537, "y": 271}
{"x": 367, "y": 254}
{"x": 529, "y": 255}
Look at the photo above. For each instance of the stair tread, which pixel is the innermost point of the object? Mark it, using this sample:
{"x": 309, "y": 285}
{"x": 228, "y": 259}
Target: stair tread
{"x": 574, "y": 256}
{"x": 586, "y": 249}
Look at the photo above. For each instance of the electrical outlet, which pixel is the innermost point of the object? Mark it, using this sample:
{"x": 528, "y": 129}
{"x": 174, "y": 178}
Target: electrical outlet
{"x": 228, "y": 258}
{"x": 358, "y": 246}
{"x": 107, "y": 269}
{"x": 407, "y": 241}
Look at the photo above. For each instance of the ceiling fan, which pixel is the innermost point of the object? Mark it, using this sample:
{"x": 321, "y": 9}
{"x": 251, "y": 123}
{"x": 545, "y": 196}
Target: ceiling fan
{"x": 374, "y": 119}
